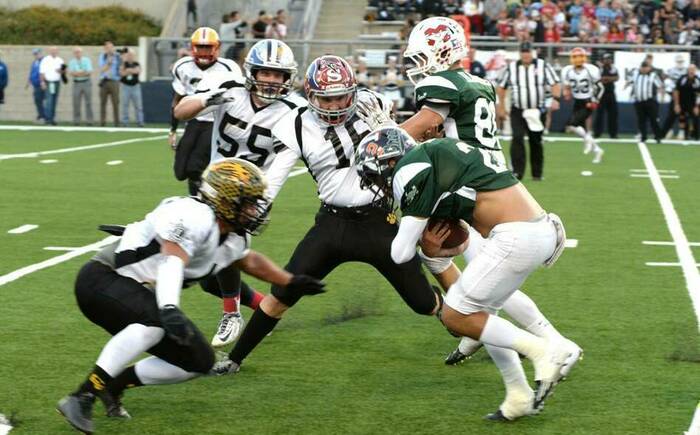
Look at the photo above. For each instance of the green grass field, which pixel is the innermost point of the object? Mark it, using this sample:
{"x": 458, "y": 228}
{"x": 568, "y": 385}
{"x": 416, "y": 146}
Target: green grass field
{"x": 380, "y": 369}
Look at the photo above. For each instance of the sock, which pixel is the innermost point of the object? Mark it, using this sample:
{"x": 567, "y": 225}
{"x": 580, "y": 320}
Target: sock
{"x": 579, "y": 131}
{"x": 231, "y": 304}
{"x": 509, "y": 365}
{"x": 126, "y": 345}
{"x": 155, "y": 371}
{"x": 96, "y": 381}
{"x": 259, "y": 325}
{"x": 500, "y": 332}
{"x": 523, "y": 310}
{"x": 250, "y": 297}
{"x": 126, "y": 379}
{"x": 466, "y": 345}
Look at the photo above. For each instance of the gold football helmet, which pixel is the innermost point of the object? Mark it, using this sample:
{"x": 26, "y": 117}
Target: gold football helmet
{"x": 235, "y": 190}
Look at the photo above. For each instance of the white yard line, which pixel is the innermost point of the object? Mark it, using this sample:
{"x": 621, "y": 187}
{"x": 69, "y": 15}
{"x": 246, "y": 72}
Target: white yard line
{"x": 73, "y": 128}
{"x": 683, "y": 251}
{"x": 694, "y": 428}
{"x": 23, "y": 229}
{"x": 79, "y": 148}
{"x": 296, "y": 172}
{"x": 660, "y": 176}
{"x": 665, "y": 264}
{"x": 114, "y": 162}
{"x": 19, "y": 273}
{"x": 660, "y": 171}
{"x": 64, "y": 248}
{"x": 657, "y": 243}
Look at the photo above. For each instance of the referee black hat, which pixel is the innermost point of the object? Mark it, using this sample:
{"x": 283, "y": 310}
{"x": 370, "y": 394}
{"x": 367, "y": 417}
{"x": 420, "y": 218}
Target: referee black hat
{"x": 525, "y": 46}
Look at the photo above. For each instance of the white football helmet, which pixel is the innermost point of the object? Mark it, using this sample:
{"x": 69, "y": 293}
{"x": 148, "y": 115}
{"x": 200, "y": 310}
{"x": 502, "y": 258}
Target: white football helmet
{"x": 270, "y": 54}
{"x": 434, "y": 45}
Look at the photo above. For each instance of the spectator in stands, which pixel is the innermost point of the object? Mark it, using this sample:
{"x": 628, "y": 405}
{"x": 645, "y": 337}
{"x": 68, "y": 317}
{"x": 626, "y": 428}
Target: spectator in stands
{"x": 551, "y": 33}
{"x": 575, "y": 14}
{"x": 504, "y": 26}
{"x": 492, "y": 14}
{"x": 4, "y": 78}
{"x": 192, "y": 12}
{"x": 615, "y": 34}
{"x": 476, "y": 68}
{"x": 260, "y": 26}
{"x": 50, "y": 71}
{"x": 34, "y": 80}
{"x": 692, "y": 11}
{"x": 689, "y": 35}
{"x": 276, "y": 29}
{"x": 474, "y": 9}
{"x": 362, "y": 74}
{"x": 234, "y": 27}
{"x": 80, "y": 69}
{"x": 109, "y": 62}
{"x": 391, "y": 81}
{"x": 130, "y": 87}
{"x": 538, "y": 31}
{"x": 632, "y": 33}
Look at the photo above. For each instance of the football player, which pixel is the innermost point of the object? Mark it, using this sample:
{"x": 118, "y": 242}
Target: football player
{"x": 243, "y": 116}
{"x": 452, "y": 179}
{"x": 181, "y": 241}
{"x": 352, "y": 224}
{"x": 192, "y": 151}
{"x": 581, "y": 80}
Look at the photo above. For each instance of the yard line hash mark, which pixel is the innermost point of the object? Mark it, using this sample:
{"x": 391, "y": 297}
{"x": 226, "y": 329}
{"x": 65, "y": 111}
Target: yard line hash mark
{"x": 23, "y": 229}
{"x": 19, "y": 273}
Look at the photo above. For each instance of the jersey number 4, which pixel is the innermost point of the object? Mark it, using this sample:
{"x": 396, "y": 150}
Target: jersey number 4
{"x": 255, "y": 131}
{"x": 485, "y": 122}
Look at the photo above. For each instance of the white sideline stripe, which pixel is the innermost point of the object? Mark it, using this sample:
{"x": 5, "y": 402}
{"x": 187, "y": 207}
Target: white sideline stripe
{"x": 23, "y": 229}
{"x": 298, "y": 172}
{"x": 655, "y": 243}
{"x": 114, "y": 162}
{"x": 660, "y": 171}
{"x": 694, "y": 428}
{"x": 623, "y": 140}
{"x": 683, "y": 251}
{"x": 664, "y": 264}
{"x": 64, "y": 248}
{"x": 571, "y": 243}
{"x": 79, "y": 148}
{"x": 19, "y": 273}
{"x": 73, "y": 128}
{"x": 647, "y": 176}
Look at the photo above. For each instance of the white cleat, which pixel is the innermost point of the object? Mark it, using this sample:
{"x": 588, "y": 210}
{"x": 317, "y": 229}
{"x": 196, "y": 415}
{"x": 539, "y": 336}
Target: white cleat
{"x": 548, "y": 370}
{"x": 680, "y": 135}
{"x": 588, "y": 145}
{"x": 598, "y": 155}
{"x": 517, "y": 404}
{"x": 576, "y": 355}
{"x": 230, "y": 328}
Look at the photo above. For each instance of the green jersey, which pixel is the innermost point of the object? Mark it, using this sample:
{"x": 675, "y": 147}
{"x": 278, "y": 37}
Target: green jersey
{"x": 467, "y": 101}
{"x": 442, "y": 177}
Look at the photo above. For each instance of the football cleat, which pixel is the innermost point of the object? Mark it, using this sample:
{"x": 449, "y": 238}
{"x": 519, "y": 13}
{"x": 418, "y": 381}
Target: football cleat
{"x": 113, "y": 405}
{"x": 467, "y": 347}
{"x": 230, "y": 328}
{"x": 77, "y": 409}
{"x": 575, "y": 356}
{"x": 548, "y": 371}
{"x": 598, "y": 155}
{"x": 224, "y": 367}
{"x": 517, "y": 404}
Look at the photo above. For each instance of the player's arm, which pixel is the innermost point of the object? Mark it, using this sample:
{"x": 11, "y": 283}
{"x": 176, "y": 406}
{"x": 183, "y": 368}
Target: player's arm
{"x": 169, "y": 278}
{"x": 195, "y": 105}
{"x": 501, "y": 108}
{"x": 424, "y": 120}
{"x": 174, "y": 122}
{"x": 403, "y": 247}
{"x": 676, "y": 100}
{"x": 259, "y": 266}
{"x": 435, "y": 96}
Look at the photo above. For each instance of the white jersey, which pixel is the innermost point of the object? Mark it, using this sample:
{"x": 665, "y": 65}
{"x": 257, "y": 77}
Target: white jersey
{"x": 672, "y": 76}
{"x": 187, "y": 75}
{"x": 243, "y": 130}
{"x": 584, "y": 82}
{"x": 327, "y": 152}
{"x": 190, "y": 224}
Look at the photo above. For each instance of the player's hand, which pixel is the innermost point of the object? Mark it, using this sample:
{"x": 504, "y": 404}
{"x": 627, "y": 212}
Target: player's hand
{"x": 370, "y": 111}
{"x": 217, "y": 97}
{"x": 306, "y": 285}
{"x": 176, "y": 324}
{"x": 555, "y": 105}
{"x": 677, "y": 108}
{"x": 432, "y": 239}
{"x": 591, "y": 105}
{"x": 172, "y": 140}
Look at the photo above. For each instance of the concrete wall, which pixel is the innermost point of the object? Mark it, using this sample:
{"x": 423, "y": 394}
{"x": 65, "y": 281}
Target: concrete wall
{"x": 19, "y": 102}
{"x": 157, "y": 9}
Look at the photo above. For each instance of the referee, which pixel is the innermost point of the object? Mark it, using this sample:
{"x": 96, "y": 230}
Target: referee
{"x": 529, "y": 79}
{"x": 645, "y": 84}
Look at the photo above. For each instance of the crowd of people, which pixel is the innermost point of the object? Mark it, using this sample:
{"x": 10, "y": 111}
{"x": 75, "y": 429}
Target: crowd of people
{"x": 601, "y": 21}
{"x": 117, "y": 73}
{"x": 233, "y": 26}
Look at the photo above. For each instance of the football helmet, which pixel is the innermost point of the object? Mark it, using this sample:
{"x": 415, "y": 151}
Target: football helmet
{"x": 434, "y": 45}
{"x": 205, "y": 46}
{"x": 270, "y": 54}
{"x": 377, "y": 155}
{"x": 578, "y": 57}
{"x": 331, "y": 76}
{"x": 235, "y": 190}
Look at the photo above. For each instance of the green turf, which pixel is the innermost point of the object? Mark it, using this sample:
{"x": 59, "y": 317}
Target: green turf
{"x": 379, "y": 369}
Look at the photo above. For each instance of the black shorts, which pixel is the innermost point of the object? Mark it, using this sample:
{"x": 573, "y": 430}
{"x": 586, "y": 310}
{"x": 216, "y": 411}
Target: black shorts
{"x": 114, "y": 302}
{"x": 580, "y": 113}
{"x": 363, "y": 235}
{"x": 193, "y": 150}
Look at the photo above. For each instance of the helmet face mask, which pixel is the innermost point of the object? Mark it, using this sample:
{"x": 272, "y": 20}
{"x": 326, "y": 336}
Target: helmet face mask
{"x": 235, "y": 190}
{"x": 270, "y": 55}
{"x": 205, "y": 46}
{"x": 435, "y": 44}
{"x": 331, "y": 89}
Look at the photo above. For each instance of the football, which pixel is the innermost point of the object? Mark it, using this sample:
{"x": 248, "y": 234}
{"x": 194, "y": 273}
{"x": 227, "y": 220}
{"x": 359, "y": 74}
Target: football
{"x": 459, "y": 231}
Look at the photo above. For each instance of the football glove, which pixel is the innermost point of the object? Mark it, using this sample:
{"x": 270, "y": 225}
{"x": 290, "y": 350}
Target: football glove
{"x": 370, "y": 110}
{"x": 176, "y": 324}
{"x": 216, "y": 97}
{"x": 305, "y": 285}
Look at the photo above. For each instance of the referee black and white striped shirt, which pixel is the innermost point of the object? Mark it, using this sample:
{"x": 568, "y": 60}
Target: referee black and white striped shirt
{"x": 645, "y": 85}
{"x": 529, "y": 84}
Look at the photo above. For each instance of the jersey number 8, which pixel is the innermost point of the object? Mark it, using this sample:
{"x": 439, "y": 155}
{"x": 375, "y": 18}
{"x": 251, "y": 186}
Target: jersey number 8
{"x": 485, "y": 122}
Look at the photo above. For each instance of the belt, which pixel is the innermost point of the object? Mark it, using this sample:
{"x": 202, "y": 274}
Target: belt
{"x": 352, "y": 212}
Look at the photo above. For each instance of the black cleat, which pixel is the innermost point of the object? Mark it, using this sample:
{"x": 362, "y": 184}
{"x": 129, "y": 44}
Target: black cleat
{"x": 455, "y": 357}
{"x": 496, "y": 416}
{"x": 77, "y": 409}
{"x": 113, "y": 405}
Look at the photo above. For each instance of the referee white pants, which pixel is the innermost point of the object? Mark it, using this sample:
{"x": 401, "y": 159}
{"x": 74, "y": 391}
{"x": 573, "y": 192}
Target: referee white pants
{"x": 499, "y": 264}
